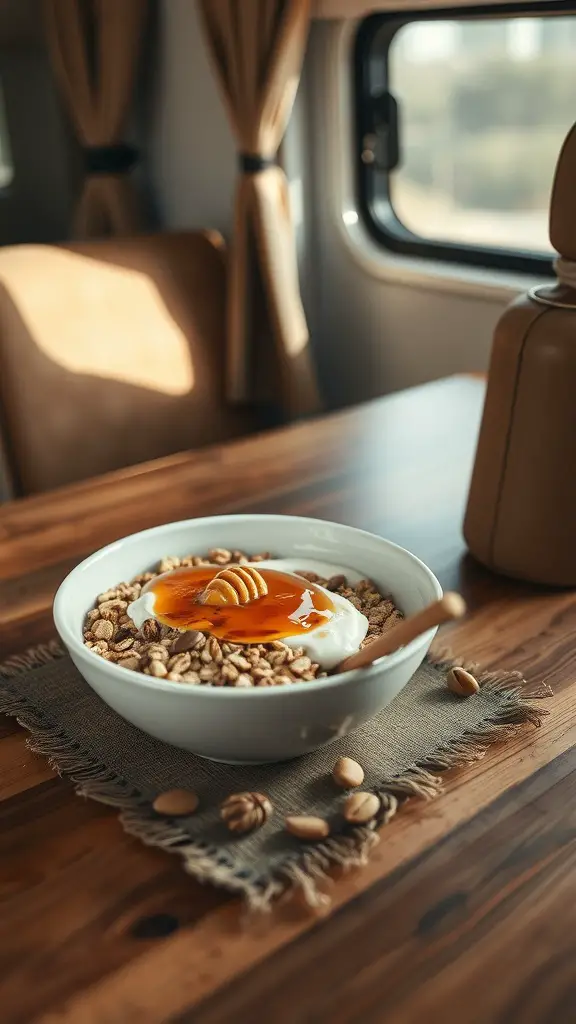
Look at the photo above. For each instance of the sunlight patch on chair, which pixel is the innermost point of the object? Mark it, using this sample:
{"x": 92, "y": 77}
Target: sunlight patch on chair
{"x": 97, "y": 318}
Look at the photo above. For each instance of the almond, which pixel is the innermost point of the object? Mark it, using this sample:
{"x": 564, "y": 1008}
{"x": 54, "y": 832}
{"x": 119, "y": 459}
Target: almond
{"x": 304, "y": 827}
{"x": 186, "y": 641}
{"x": 347, "y": 773}
{"x": 361, "y": 807}
{"x": 176, "y": 803}
{"x": 458, "y": 681}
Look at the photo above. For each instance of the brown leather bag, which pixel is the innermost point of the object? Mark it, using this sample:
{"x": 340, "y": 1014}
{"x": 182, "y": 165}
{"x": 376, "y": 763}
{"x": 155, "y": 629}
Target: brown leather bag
{"x": 521, "y": 515}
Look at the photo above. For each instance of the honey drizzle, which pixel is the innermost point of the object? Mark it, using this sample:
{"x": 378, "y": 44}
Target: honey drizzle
{"x": 292, "y": 607}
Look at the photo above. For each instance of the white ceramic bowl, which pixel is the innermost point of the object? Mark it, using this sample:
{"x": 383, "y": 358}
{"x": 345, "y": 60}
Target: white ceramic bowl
{"x": 262, "y": 724}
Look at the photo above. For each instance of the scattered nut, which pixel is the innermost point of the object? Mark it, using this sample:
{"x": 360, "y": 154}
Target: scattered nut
{"x": 347, "y": 773}
{"x": 305, "y": 827}
{"x": 361, "y": 807}
{"x": 176, "y": 803}
{"x": 458, "y": 681}
{"x": 244, "y": 812}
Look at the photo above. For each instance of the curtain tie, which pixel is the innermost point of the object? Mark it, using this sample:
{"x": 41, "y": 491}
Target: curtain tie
{"x": 118, "y": 158}
{"x": 253, "y": 163}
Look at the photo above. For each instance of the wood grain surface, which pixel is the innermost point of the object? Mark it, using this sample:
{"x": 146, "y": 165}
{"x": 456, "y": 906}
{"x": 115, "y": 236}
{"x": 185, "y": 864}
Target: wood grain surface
{"x": 465, "y": 910}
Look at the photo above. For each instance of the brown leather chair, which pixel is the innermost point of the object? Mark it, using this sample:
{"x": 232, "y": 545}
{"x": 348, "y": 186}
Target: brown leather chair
{"x": 111, "y": 353}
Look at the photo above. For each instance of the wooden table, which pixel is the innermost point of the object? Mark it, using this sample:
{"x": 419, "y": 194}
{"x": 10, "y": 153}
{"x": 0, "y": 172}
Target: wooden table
{"x": 466, "y": 911}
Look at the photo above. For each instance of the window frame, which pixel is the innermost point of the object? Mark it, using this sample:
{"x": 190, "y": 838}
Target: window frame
{"x": 376, "y": 210}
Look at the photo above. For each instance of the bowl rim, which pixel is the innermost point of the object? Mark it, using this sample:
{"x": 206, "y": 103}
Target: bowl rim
{"x": 76, "y": 646}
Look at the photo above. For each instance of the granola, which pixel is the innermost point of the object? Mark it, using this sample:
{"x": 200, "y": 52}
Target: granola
{"x": 196, "y": 659}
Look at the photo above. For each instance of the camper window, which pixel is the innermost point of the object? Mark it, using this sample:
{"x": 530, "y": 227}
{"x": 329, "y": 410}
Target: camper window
{"x": 459, "y": 126}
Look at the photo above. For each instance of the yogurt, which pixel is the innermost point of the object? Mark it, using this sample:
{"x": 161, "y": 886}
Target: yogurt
{"x": 337, "y": 637}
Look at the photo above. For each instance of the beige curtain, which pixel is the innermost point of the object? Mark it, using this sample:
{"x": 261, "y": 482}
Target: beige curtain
{"x": 94, "y": 47}
{"x": 258, "y": 47}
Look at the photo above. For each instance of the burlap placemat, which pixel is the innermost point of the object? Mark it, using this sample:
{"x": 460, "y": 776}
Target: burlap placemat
{"x": 425, "y": 730}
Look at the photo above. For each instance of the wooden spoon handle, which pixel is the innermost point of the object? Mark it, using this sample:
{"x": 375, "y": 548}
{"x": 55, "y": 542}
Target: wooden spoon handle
{"x": 451, "y": 606}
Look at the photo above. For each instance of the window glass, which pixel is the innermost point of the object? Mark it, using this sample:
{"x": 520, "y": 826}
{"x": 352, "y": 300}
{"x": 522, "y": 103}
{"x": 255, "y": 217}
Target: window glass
{"x": 483, "y": 105}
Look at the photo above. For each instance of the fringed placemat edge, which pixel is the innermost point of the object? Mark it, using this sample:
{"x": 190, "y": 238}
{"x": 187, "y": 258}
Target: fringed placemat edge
{"x": 308, "y": 872}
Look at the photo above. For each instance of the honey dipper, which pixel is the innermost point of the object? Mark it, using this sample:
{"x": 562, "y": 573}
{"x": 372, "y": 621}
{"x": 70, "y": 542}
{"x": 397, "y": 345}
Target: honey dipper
{"x": 450, "y": 606}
